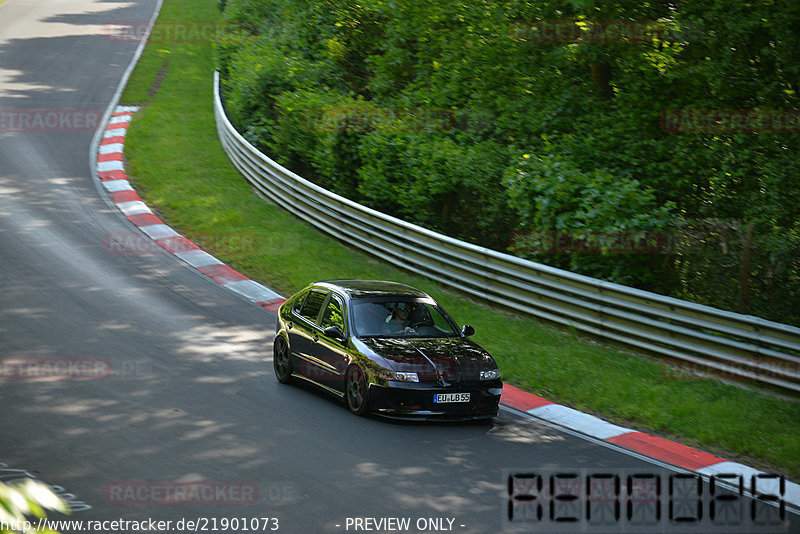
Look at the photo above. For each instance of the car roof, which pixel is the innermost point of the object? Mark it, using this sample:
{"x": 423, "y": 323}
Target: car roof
{"x": 371, "y": 288}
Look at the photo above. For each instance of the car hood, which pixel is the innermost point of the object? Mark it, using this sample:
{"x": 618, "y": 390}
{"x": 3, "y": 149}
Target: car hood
{"x": 446, "y": 360}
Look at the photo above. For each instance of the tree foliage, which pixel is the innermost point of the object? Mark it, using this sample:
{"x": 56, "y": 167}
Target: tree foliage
{"x": 22, "y": 500}
{"x": 492, "y": 120}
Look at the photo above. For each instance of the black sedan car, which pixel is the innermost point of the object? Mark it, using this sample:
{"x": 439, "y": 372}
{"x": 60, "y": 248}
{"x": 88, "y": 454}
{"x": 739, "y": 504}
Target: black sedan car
{"x": 385, "y": 348}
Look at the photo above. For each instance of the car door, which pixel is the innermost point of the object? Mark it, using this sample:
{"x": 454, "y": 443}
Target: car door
{"x": 330, "y": 350}
{"x": 303, "y": 330}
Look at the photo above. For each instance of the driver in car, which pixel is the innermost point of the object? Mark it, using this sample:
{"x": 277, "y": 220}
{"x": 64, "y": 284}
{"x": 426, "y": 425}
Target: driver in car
{"x": 398, "y": 322}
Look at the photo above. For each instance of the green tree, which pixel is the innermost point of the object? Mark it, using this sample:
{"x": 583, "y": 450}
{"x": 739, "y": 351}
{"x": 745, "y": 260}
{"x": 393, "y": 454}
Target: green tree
{"x": 21, "y": 500}
{"x": 606, "y": 92}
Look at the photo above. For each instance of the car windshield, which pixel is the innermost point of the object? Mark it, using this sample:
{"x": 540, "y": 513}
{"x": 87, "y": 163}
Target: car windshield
{"x": 401, "y": 318}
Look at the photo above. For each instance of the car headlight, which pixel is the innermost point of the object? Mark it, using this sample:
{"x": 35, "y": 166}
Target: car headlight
{"x": 407, "y": 377}
{"x": 399, "y": 376}
{"x": 491, "y": 374}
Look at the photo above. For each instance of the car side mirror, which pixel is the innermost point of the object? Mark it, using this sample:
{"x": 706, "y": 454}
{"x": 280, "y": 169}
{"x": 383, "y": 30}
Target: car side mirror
{"x": 467, "y": 330}
{"x": 334, "y": 332}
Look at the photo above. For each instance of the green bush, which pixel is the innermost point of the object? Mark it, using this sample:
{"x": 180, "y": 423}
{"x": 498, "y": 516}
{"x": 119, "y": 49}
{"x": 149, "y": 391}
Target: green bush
{"x": 590, "y": 219}
{"x": 425, "y": 109}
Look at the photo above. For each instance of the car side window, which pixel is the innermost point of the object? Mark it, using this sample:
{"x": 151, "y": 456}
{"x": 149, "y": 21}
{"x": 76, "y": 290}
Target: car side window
{"x": 298, "y": 304}
{"x": 440, "y": 322}
{"x": 333, "y": 315}
{"x": 312, "y": 305}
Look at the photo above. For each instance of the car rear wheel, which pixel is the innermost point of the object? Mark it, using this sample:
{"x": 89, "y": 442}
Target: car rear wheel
{"x": 281, "y": 361}
{"x": 356, "y": 391}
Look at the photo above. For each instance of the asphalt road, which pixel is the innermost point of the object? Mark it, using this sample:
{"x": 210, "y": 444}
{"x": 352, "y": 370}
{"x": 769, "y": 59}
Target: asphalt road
{"x": 172, "y": 392}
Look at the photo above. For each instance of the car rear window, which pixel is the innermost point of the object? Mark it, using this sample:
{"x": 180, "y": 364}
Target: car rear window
{"x": 312, "y": 305}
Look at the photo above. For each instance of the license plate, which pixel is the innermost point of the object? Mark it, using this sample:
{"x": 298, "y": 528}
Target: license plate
{"x": 441, "y": 398}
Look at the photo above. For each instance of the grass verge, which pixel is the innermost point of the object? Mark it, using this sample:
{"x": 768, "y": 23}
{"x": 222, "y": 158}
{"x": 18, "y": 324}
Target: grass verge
{"x": 177, "y": 164}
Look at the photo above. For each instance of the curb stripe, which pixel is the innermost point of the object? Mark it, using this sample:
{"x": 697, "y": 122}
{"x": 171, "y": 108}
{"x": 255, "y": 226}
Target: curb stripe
{"x": 133, "y": 208}
{"x": 250, "y": 289}
{"x": 158, "y": 231}
{"x": 112, "y": 175}
{"x": 728, "y": 468}
{"x": 521, "y": 400}
{"x": 119, "y": 140}
{"x": 113, "y": 186}
{"x": 222, "y": 273}
{"x": 198, "y": 258}
{"x": 144, "y": 219}
{"x": 272, "y": 304}
{"x": 116, "y": 132}
{"x": 179, "y": 244}
{"x": 109, "y": 148}
{"x": 128, "y": 195}
{"x": 106, "y": 166}
{"x": 111, "y": 172}
{"x": 666, "y": 450}
{"x": 583, "y": 422}
{"x": 110, "y": 156}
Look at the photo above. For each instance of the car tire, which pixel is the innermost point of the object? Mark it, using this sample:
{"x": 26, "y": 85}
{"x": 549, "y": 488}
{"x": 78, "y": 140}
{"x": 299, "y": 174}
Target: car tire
{"x": 282, "y": 361}
{"x": 356, "y": 391}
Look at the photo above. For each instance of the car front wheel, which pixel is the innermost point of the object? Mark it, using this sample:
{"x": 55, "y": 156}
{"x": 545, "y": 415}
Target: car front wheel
{"x": 356, "y": 391}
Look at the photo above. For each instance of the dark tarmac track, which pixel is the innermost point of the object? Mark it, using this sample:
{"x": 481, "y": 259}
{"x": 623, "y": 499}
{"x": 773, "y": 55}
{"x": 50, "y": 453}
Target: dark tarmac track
{"x": 190, "y": 396}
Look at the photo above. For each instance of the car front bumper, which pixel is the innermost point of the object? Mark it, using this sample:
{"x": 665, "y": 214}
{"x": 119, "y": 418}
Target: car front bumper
{"x": 416, "y": 401}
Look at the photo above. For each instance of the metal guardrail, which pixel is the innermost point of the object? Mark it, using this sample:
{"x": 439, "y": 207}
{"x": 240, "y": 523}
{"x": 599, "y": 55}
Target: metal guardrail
{"x": 737, "y": 345}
